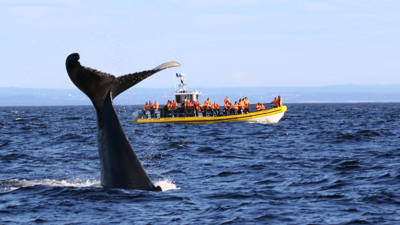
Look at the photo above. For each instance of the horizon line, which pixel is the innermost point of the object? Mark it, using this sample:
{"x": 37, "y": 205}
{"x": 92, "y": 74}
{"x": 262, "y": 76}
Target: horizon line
{"x": 194, "y": 87}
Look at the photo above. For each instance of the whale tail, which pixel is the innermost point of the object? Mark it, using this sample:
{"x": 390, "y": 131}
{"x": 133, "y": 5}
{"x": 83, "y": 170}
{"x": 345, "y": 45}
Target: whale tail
{"x": 120, "y": 167}
{"x": 96, "y": 84}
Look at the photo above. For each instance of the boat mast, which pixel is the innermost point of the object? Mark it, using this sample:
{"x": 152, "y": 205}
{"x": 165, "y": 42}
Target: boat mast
{"x": 182, "y": 84}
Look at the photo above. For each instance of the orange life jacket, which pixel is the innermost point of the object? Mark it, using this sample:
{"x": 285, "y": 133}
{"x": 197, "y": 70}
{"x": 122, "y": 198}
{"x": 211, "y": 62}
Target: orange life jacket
{"x": 226, "y": 100}
{"x": 147, "y": 106}
{"x": 169, "y": 105}
{"x": 227, "y": 105}
{"x": 246, "y": 103}
{"x": 155, "y": 106}
{"x": 196, "y": 105}
{"x": 275, "y": 102}
{"x": 241, "y": 104}
{"x": 207, "y": 104}
{"x": 236, "y": 107}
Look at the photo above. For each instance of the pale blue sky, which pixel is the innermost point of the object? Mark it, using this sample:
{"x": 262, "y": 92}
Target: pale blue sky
{"x": 220, "y": 43}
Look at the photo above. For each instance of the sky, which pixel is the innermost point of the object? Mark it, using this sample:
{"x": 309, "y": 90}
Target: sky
{"x": 219, "y": 43}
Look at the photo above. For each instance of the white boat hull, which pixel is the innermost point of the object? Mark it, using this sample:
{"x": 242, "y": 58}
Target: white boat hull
{"x": 270, "y": 119}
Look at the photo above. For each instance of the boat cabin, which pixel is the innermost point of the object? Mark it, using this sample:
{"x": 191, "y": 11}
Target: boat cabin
{"x": 192, "y": 96}
{"x": 182, "y": 94}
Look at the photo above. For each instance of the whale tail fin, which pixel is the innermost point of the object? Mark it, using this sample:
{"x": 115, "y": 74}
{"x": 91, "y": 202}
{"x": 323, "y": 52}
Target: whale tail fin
{"x": 96, "y": 84}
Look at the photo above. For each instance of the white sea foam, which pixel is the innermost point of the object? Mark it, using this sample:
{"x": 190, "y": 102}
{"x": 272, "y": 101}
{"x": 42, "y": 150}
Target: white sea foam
{"x": 61, "y": 183}
{"x": 166, "y": 185}
{"x": 15, "y": 184}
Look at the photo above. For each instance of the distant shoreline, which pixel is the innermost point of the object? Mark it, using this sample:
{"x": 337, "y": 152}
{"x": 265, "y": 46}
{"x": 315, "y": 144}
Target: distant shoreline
{"x": 12, "y": 96}
{"x": 140, "y": 105}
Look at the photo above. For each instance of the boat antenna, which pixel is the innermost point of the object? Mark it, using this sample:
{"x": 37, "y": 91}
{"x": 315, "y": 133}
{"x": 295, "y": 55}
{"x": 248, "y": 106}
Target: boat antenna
{"x": 182, "y": 85}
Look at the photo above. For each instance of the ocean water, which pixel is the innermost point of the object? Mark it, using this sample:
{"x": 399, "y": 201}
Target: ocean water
{"x": 322, "y": 164}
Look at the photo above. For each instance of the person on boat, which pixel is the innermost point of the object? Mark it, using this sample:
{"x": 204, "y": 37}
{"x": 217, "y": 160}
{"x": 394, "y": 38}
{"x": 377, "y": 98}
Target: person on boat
{"x": 227, "y": 107}
{"x": 235, "y": 108}
{"x": 169, "y": 107}
{"x": 156, "y": 106}
{"x": 147, "y": 109}
{"x": 207, "y": 106}
{"x": 279, "y": 101}
{"x": 196, "y": 108}
{"x": 260, "y": 107}
{"x": 191, "y": 108}
{"x": 212, "y": 109}
{"x": 246, "y": 105}
{"x": 188, "y": 107}
{"x": 150, "y": 108}
{"x": 174, "y": 106}
{"x": 226, "y": 100}
{"x": 215, "y": 109}
{"x": 185, "y": 106}
{"x": 241, "y": 106}
{"x": 145, "y": 106}
{"x": 275, "y": 102}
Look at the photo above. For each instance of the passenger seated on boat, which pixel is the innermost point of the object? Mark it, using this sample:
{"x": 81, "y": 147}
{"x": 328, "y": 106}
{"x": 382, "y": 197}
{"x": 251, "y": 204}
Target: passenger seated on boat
{"x": 174, "y": 105}
{"x": 279, "y": 101}
{"x": 150, "y": 108}
{"x": 232, "y": 109}
{"x": 196, "y": 108}
{"x": 246, "y": 105}
{"x": 275, "y": 102}
{"x": 188, "y": 108}
{"x": 145, "y": 106}
{"x": 191, "y": 108}
{"x": 169, "y": 107}
{"x": 146, "y": 109}
{"x": 227, "y": 108}
{"x": 260, "y": 107}
{"x": 207, "y": 106}
{"x": 215, "y": 109}
{"x": 226, "y": 100}
{"x": 235, "y": 108}
{"x": 241, "y": 106}
{"x": 156, "y": 113}
{"x": 156, "y": 106}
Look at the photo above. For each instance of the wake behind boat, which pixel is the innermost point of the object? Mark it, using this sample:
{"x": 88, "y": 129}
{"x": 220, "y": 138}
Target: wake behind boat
{"x": 186, "y": 109}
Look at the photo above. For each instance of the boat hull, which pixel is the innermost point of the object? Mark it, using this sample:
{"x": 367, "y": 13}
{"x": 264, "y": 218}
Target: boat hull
{"x": 269, "y": 116}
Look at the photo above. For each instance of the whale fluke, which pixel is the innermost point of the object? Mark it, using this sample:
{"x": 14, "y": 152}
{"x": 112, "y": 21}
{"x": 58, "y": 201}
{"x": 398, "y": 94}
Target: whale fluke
{"x": 124, "y": 82}
{"x": 96, "y": 84}
{"x": 120, "y": 167}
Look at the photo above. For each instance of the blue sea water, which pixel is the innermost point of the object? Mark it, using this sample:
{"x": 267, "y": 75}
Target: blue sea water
{"x": 322, "y": 164}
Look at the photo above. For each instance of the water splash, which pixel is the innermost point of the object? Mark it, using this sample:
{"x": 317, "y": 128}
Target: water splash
{"x": 166, "y": 185}
{"x": 135, "y": 114}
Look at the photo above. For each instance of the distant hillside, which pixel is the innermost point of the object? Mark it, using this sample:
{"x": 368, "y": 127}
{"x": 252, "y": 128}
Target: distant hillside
{"x": 11, "y": 96}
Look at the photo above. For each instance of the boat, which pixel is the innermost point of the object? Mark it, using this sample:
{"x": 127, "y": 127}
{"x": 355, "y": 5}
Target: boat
{"x": 267, "y": 116}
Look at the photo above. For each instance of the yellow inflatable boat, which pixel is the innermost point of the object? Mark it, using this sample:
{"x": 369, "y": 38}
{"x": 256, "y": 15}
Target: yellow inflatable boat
{"x": 269, "y": 116}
